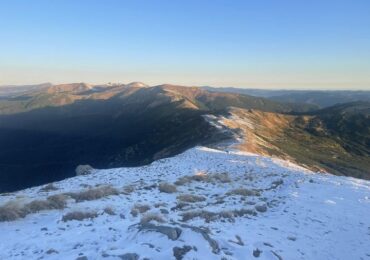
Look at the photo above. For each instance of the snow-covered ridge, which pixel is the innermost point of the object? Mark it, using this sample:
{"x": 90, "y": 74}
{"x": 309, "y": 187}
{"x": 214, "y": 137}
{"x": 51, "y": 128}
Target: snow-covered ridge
{"x": 238, "y": 206}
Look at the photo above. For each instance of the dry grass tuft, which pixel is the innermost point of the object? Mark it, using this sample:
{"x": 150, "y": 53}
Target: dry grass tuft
{"x": 128, "y": 189}
{"x": 49, "y": 187}
{"x": 160, "y": 204}
{"x": 11, "y": 211}
{"x": 190, "y": 198}
{"x": 243, "y": 192}
{"x": 79, "y": 216}
{"x": 203, "y": 177}
{"x": 221, "y": 177}
{"x": 14, "y": 210}
{"x": 139, "y": 208}
{"x": 209, "y": 216}
{"x": 109, "y": 211}
{"x": 167, "y": 187}
{"x": 149, "y": 217}
{"x": 93, "y": 193}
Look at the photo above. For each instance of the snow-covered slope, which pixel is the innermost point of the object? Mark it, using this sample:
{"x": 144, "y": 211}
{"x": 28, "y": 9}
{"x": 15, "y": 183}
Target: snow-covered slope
{"x": 240, "y": 206}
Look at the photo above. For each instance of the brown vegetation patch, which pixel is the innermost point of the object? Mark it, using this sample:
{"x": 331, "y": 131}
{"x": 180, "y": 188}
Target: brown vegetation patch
{"x": 93, "y": 193}
{"x": 149, "y": 217}
{"x": 243, "y": 192}
{"x": 190, "y": 198}
{"x": 79, "y": 216}
{"x": 167, "y": 187}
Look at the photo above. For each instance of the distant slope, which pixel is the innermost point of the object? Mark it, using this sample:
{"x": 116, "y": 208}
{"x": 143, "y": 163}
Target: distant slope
{"x": 45, "y": 133}
{"x": 136, "y": 92}
{"x": 313, "y": 97}
{"x": 336, "y": 139}
{"x": 9, "y": 90}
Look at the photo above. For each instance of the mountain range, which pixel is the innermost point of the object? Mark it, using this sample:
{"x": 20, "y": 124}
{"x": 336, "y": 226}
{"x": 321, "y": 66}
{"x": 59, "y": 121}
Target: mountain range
{"x": 47, "y": 130}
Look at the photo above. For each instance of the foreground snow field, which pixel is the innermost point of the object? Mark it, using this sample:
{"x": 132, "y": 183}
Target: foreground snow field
{"x": 225, "y": 205}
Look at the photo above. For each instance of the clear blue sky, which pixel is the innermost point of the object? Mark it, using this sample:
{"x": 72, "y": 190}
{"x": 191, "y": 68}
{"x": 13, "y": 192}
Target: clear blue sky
{"x": 260, "y": 43}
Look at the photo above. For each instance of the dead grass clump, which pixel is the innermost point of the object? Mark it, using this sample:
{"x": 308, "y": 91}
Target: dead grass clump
{"x": 203, "y": 177}
{"x": 187, "y": 179}
{"x": 167, "y": 187}
{"x": 160, "y": 204}
{"x": 221, "y": 177}
{"x": 182, "y": 180}
{"x": 180, "y": 206}
{"x": 200, "y": 177}
{"x": 58, "y": 201}
{"x": 93, "y": 193}
{"x": 14, "y": 210}
{"x": 149, "y": 217}
{"x": 244, "y": 212}
{"x": 11, "y": 211}
{"x": 53, "y": 202}
{"x": 79, "y": 216}
{"x": 139, "y": 208}
{"x": 190, "y": 198}
{"x": 128, "y": 189}
{"x": 109, "y": 211}
{"x": 243, "y": 192}
{"x": 208, "y": 216}
{"x": 49, "y": 187}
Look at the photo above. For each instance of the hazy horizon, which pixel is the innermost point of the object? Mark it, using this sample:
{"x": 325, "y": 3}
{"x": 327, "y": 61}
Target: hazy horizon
{"x": 270, "y": 45}
{"x": 276, "y": 87}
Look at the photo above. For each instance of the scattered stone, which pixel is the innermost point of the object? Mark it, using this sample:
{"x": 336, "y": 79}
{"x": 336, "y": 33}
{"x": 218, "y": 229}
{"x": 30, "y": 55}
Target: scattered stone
{"x": 52, "y": 251}
{"x": 257, "y": 252}
{"x": 82, "y": 258}
{"x": 261, "y": 207}
{"x": 180, "y": 252}
{"x": 164, "y": 211}
{"x": 129, "y": 256}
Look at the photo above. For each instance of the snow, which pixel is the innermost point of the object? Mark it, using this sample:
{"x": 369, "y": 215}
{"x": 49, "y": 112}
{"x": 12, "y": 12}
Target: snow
{"x": 309, "y": 215}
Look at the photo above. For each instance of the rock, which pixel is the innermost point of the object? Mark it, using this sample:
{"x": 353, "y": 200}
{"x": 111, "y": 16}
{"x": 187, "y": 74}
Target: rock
{"x": 164, "y": 211}
{"x": 180, "y": 252}
{"x": 261, "y": 207}
{"x": 52, "y": 251}
{"x": 172, "y": 233}
{"x": 82, "y": 258}
{"x": 84, "y": 170}
{"x": 129, "y": 256}
{"x": 257, "y": 252}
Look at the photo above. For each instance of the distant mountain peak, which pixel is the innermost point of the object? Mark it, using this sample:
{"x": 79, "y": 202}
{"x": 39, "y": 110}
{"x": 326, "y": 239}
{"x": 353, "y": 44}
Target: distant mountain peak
{"x": 137, "y": 84}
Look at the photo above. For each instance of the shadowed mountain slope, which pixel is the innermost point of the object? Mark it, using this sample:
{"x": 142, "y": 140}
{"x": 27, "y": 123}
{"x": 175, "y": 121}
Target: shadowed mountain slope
{"x": 45, "y": 133}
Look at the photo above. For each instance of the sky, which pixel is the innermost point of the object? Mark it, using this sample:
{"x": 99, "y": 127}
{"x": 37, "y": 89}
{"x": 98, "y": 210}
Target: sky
{"x": 316, "y": 44}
